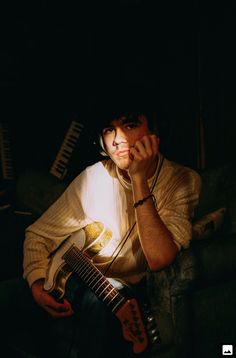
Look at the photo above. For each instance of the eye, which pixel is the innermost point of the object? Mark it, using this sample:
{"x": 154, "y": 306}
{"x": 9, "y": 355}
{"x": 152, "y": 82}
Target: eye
{"x": 131, "y": 125}
{"x": 107, "y": 130}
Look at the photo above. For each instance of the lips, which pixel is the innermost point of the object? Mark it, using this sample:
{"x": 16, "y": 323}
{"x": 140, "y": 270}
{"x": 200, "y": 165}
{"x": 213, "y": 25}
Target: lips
{"x": 122, "y": 153}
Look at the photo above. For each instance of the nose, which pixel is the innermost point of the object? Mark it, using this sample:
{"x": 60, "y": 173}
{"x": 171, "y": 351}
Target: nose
{"x": 119, "y": 137}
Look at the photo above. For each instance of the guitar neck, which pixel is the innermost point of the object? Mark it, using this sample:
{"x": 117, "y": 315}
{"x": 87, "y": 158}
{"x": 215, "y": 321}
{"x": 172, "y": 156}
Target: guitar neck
{"x": 93, "y": 278}
{"x": 127, "y": 311}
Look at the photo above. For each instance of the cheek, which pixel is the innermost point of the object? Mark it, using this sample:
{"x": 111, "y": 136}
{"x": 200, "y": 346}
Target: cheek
{"x": 107, "y": 144}
{"x": 134, "y": 138}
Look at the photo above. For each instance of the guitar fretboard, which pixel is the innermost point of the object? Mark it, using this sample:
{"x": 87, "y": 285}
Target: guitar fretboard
{"x": 98, "y": 283}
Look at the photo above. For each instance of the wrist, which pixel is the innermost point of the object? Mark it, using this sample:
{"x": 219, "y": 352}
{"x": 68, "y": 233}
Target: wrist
{"x": 138, "y": 180}
{"x": 39, "y": 282}
{"x": 145, "y": 199}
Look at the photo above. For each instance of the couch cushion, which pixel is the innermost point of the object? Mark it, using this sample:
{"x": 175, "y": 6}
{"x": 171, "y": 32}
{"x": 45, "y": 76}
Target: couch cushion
{"x": 218, "y": 191}
{"x": 208, "y": 225}
{"x": 214, "y": 190}
{"x": 36, "y": 191}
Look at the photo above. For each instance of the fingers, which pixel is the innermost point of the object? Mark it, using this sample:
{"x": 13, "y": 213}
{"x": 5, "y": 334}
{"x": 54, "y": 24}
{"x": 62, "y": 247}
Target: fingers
{"x": 56, "y": 314}
{"x": 56, "y": 309}
{"x": 146, "y": 147}
{"x": 49, "y": 303}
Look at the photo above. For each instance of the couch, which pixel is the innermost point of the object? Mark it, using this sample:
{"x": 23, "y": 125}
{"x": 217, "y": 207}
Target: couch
{"x": 193, "y": 300}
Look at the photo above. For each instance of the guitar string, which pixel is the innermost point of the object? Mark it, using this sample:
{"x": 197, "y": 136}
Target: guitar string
{"x": 124, "y": 240}
{"x": 74, "y": 255}
{"x": 112, "y": 294}
{"x": 77, "y": 260}
{"x": 129, "y": 231}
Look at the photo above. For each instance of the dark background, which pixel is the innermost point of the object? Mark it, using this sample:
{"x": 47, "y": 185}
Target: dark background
{"x": 53, "y": 58}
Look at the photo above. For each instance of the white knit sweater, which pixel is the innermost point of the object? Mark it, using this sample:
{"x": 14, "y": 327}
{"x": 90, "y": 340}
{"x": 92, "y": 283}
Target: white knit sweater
{"x": 100, "y": 195}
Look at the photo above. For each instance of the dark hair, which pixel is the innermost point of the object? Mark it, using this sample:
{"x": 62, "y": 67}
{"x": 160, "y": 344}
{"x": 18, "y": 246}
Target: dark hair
{"x": 134, "y": 117}
{"x": 127, "y": 101}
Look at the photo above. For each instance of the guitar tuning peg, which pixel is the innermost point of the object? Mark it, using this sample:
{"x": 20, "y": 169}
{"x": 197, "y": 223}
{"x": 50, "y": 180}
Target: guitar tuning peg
{"x": 153, "y": 332}
{"x": 155, "y": 339}
{"x": 150, "y": 319}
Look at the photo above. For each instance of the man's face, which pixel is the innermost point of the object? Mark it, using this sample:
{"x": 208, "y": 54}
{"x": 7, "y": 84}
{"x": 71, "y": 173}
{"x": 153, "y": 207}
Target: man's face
{"x": 121, "y": 135}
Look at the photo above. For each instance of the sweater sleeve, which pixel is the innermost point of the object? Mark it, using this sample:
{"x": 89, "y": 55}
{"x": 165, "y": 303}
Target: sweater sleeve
{"x": 177, "y": 207}
{"x": 63, "y": 217}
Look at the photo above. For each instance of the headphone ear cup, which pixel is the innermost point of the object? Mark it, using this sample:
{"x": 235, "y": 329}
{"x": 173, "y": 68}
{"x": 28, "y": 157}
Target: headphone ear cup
{"x": 102, "y": 149}
{"x": 98, "y": 143}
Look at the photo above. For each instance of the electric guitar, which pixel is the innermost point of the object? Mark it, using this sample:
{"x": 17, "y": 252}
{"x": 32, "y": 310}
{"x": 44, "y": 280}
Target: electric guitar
{"x": 68, "y": 259}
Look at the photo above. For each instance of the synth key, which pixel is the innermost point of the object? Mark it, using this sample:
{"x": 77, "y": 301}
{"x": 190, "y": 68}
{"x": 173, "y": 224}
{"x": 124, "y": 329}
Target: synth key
{"x": 6, "y": 171}
{"x": 59, "y": 167}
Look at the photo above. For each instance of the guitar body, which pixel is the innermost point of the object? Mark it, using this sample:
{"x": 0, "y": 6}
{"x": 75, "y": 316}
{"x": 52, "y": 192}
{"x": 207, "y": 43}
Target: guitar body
{"x": 59, "y": 271}
{"x": 69, "y": 259}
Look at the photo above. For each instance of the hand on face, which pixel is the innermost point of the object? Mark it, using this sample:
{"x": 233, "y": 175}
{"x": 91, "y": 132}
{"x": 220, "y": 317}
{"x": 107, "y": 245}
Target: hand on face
{"x": 132, "y": 146}
{"x": 49, "y": 303}
{"x": 142, "y": 156}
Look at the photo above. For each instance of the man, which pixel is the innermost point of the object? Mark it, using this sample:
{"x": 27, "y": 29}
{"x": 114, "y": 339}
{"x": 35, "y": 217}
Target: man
{"x": 135, "y": 209}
